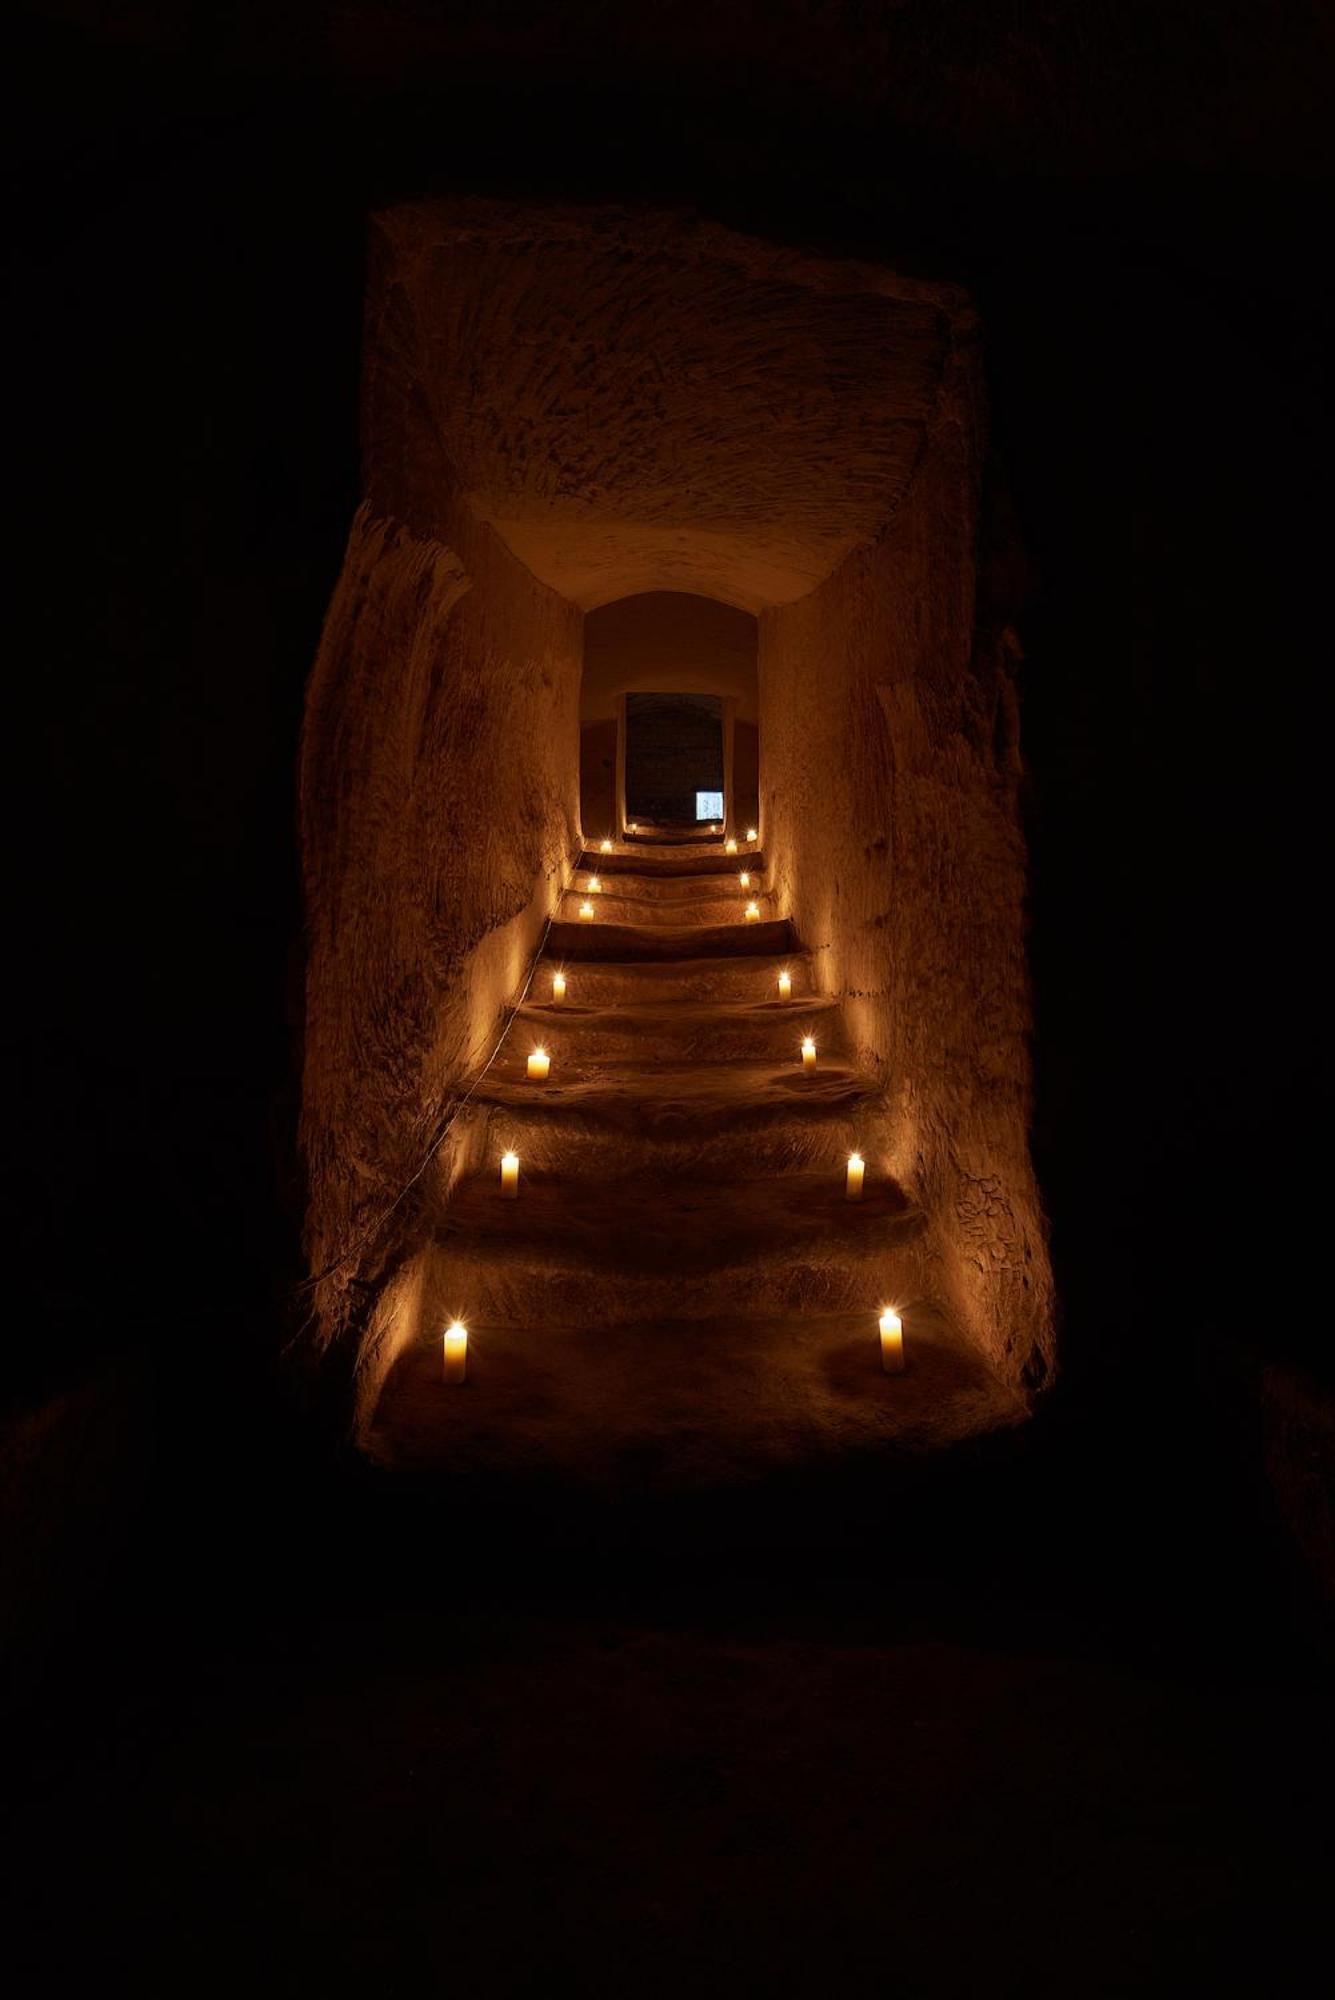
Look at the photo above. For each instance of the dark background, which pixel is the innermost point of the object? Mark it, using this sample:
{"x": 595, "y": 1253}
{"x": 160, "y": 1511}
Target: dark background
{"x": 227, "y": 1655}
{"x": 1138, "y": 199}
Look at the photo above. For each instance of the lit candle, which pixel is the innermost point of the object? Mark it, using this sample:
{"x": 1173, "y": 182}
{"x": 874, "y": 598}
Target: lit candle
{"x": 785, "y": 986}
{"x": 586, "y": 910}
{"x": 606, "y": 846}
{"x": 510, "y": 1176}
{"x": 730, "y": 847}
{"x": 750, "y": 833}
{"x": 634, "y": 826}
{"x": 808, "y": 1054}
{"x": 594, "y": 885}
{"x": 456, "y": 1352}
{"x": 558, "y": 986}
{"x": 538, "y": 1065}
{"x": 892, "y": 1342}
{"x": 857, "y": 1167}
{"x": 745, "y": 879}
{"x": 753, "y": 913}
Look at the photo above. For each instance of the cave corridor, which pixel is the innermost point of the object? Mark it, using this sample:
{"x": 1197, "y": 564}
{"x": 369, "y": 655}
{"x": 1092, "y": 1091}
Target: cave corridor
{"x": 409, "y": 406}
{"x": 601, "y": 459}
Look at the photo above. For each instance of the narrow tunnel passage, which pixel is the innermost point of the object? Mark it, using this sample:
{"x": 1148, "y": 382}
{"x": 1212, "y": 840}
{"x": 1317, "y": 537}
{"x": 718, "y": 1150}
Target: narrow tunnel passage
{"x": 606, "y": 464}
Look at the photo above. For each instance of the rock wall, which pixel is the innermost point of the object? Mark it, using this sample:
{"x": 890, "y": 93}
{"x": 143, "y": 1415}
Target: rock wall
{"x": 439, "y": 818}
{"x": 598, "y": 779}
{"x": 668, "y": 642}
{"x": 890, "y": 820}
{"x": 745, "y": 774}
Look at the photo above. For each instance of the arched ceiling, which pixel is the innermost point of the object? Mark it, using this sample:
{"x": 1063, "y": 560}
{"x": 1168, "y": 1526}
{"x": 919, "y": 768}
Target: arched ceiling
{"x": 641, "y": 403}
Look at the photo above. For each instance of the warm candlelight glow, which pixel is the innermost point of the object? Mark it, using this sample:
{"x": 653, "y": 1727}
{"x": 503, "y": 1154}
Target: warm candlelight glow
{"x": 538, "y": 1065}
{"x": 456, "y": 1352}
{"x": 558, "y": 986}
{"x": 785, "y": 986}
{"x": 730, "y": 847}
{"x": 752, "y": 913}
{"x": 751, "y": 833}
{"x": 510, "y": 1175}
{"x": 606, "y": 847}
{"x": 594, "y": 884}
{"x": 635, "y": 826}
{"x": 586, "y": 909}
{"x": 745, "y": 879}
{"x": 857, "y": 1167}
{"x": 892, "y": 1342}
{"x": 808, "y": 1054}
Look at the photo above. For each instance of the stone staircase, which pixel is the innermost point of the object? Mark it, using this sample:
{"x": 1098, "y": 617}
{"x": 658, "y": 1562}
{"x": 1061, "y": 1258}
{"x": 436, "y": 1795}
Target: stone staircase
{"x": 681, "y": 1297}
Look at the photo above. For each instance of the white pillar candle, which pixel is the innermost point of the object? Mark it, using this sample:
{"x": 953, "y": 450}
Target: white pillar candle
{"x": 730, "y": 847}
{"x": 538, "y": 1065}
{"x": 586, "y": 909}
{"x": 892, "y": 1342}
{"x": 456, "y": 1352}
{"x": 785, "y": 986}
{"x": 558, "y": 986}
{"x": 750, "y": 833}
{"x": 808, "y": 1054}
{"x": 753, "y": 913}
{"x": 595, "y": 886}
{"x": 857, "y": 1167}
{"x": 606, "y": 847}
{"x": 510, "y": 1176}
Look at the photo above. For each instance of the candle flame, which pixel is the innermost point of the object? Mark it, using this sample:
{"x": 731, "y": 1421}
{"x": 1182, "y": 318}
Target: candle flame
{"x": 856, "y": 1160}
{"x": 753, "y": 909}
{"x": 594, "y": 884}
{"x": 539, "y": 1052}
{"x": 744, "y": 879}
{"x": 750, "y": 833}
{"x": 808, "y": 1046}
{"x": 456, "y": 1330}
{"x": 509, "y": 1159}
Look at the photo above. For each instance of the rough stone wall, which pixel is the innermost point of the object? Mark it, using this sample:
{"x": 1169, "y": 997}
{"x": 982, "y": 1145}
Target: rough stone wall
{"x": 439, "y": 815}
{"x": 668, "y": 642}
{"x": 598, "y": 779}
{"x": 745, "y": 774}
{"x": 891, "y": 769}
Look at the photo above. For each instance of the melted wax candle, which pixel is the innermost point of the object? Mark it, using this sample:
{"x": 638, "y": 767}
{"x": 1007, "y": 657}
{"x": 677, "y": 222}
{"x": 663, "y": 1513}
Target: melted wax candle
{"x": 538, "y": 1065}
{"x": 456, "y": 1352}
{"x": 808, "y": 1054}
{"x": 558, "y": 986}
{"x": 510, "y": 1176}
{"x": 785, "y": 986}
{"x": 753, "y": 913}
{"x": 586, "y": 910}
{"x": 857, "y": 1167}
{"x": 892, "y": 1342}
